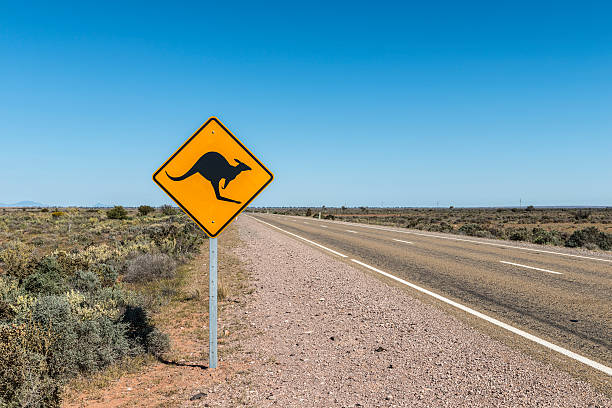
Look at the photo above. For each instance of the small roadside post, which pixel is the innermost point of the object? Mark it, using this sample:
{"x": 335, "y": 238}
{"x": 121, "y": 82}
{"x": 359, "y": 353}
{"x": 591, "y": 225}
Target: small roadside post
{"x": 198, "y": 177}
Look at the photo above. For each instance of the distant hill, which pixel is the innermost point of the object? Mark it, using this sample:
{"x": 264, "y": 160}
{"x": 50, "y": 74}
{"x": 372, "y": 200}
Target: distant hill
{"x": 23, "y": 204}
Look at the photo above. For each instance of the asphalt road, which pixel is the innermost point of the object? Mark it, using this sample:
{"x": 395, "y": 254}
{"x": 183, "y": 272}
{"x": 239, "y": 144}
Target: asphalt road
{"x": 566, "y": 300}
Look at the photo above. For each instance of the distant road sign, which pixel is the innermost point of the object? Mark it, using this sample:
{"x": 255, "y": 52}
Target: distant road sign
{"x": 213, "y": 177}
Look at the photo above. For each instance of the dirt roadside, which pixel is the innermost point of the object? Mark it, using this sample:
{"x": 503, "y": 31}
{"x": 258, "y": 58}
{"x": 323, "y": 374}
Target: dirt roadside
{"x": 182, "y": 377}
{"x": 306, "y": 330}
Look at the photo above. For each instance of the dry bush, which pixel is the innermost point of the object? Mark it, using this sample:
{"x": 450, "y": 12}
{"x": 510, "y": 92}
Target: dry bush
{"x": 17, "y": 258}
{"x": 25, "y": 375}
{"x": 150, "y": 267}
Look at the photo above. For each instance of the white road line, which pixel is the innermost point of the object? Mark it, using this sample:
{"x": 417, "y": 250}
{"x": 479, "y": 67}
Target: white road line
{"x": 554, "y": 347}
{"x": 531, "y": 267}
{"x": 306, "y": 223}
{"x": 323, "y": 226}
{"x": 471, "y": 240}
{"x": 405, "y": 242}
{"x": 302, "y": 238}
{"x": 354, "y": 232}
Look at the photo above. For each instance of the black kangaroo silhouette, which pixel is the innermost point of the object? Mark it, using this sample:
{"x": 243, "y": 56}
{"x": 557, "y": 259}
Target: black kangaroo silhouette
{"x": 214, "y": 167}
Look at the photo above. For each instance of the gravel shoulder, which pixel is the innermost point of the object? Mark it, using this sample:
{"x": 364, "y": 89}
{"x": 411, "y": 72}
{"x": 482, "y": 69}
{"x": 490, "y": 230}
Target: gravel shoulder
{"x": 323, "y": 333}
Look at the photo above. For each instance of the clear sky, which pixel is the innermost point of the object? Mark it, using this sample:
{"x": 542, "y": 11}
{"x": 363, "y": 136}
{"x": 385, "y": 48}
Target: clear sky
{"x": 348, "y": 103}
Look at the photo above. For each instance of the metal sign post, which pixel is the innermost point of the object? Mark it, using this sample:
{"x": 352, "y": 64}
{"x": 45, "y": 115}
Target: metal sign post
{"x": 192, "y": 177}
{"x": 212, "y": 305}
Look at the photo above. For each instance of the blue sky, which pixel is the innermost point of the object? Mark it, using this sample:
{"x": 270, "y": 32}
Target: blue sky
{"x": 348, "y": 103}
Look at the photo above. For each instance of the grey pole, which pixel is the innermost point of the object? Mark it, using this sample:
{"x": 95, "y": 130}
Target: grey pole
{"x": 212, "y": 305}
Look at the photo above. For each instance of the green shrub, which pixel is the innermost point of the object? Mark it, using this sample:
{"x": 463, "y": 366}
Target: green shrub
{"x": 470, "y": 229}
{"x": 86, "y": 281}
{"x": 544, "y": 237}
{"x": 107, "y": 274}
{"x": 167, "y": 210}
{"x": 178, "y": 240}
{"x": 145, "y": 210}
{"x": 150, "y": 267}
{"x": 442, "y": 227}
{"x": 518, "y": 234}
{"x": 47, "y": 279}
{"x": 79, "y": 345}
{"x": 57, "y": 214}
{"x": 475, "y": 230}
{"x": 117, "y": 213}
{"x": 45, "y": 283}
{"x": 590, "y": 235}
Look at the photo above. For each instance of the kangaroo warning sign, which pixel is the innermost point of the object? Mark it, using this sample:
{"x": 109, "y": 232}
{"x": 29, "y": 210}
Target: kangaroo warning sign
{"x": 213, "y": 177}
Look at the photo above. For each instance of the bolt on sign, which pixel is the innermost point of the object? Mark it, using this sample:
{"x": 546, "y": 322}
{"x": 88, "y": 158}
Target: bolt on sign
{"x": 213, "y": 177}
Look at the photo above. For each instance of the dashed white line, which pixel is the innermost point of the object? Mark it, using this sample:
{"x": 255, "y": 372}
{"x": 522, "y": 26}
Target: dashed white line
{"x": 323, "y": 226}
{"x": 304, "y": 239}
{"x": 547, "y": 344}
{"x": 354, "y": 232}
{"x": 531, "y": 267}
{"x": 401, "y": 240}
{"x": 306, "y": 223}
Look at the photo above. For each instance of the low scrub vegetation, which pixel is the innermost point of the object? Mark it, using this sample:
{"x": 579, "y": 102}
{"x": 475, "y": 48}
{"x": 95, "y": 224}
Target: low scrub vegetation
{"x": 117, "y": 213}
{"x": 70, "y": 299}
{"x": 145, "y": 210}
{"x": 587, "y": 228}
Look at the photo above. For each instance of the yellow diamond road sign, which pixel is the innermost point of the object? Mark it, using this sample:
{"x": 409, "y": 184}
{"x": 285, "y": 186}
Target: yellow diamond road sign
{"x": 213, "y": 177}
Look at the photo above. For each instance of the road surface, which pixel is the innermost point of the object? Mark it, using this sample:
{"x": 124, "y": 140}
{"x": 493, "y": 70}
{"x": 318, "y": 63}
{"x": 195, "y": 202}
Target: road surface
{"x": 560, "y": 298}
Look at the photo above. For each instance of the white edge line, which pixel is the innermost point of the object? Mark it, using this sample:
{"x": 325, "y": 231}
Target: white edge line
{"x": 565, "y": 352}
{"x": 531, "y": 267}
{"x": 466, "y": 240}
{"x": 401, "y": 240}
{"x": 354, "y": 232}
{"x": 302, "y": 238}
